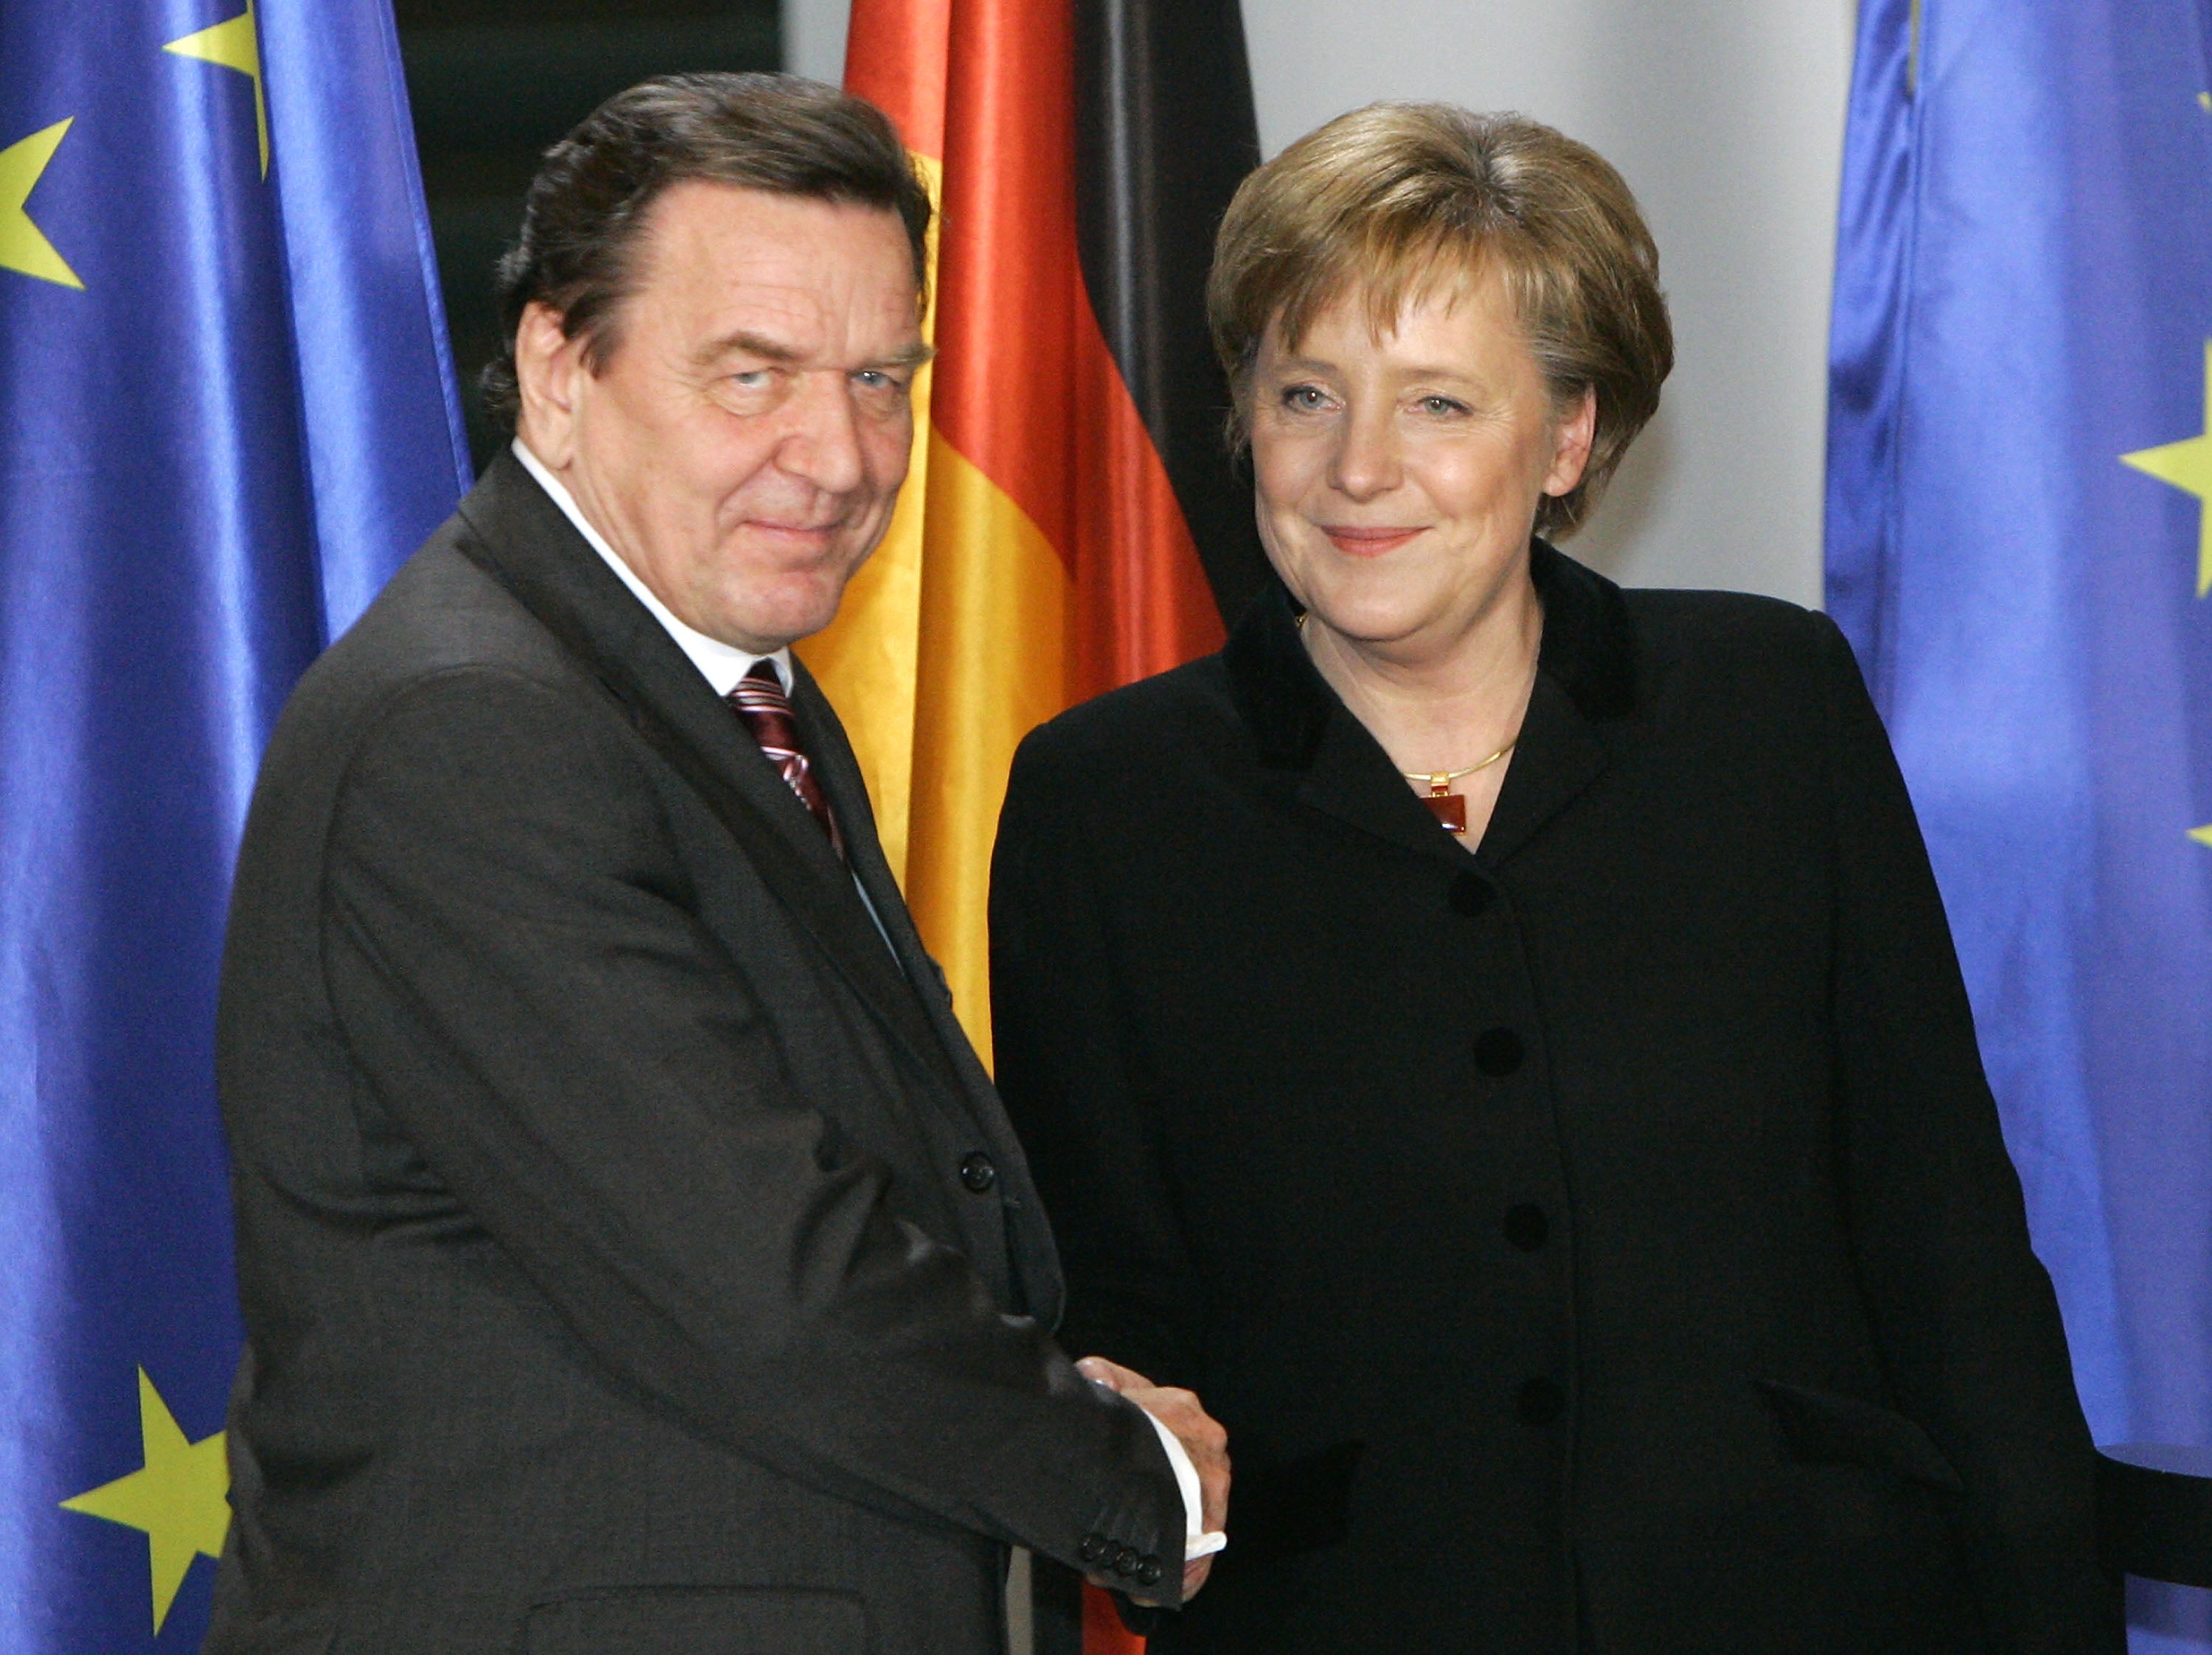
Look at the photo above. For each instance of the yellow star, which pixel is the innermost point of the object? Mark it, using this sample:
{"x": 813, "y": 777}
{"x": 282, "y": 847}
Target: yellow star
{"x": 2202, "y": 835}
{"x": 22, "y": 246}
{"x": 179, "y": 1497}
{"x": 234, "y": 44}
{"x": 2187, "y": 464}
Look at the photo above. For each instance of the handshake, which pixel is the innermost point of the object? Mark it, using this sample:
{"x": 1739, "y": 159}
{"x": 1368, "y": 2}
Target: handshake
{"x": 1208, "y": 1445}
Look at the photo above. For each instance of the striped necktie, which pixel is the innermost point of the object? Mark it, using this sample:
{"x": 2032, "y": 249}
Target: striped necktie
{"x": 765, "y": 710}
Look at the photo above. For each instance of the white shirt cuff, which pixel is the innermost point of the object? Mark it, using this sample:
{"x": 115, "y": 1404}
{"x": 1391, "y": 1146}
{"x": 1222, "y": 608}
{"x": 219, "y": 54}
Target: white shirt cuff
{"x": 1198, "y": 1541}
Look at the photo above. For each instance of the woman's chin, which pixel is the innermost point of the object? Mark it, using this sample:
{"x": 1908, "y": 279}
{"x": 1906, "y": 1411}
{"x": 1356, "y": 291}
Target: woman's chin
{"x": 1377, "y": 623}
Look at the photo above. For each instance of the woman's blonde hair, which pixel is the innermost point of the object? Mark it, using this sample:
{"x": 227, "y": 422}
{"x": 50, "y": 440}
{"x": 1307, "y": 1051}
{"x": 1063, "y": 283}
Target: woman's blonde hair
{"x": 1392, "y": 199}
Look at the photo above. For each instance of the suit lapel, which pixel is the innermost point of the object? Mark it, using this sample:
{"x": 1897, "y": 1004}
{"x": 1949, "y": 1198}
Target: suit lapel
{"x": 1036, "y": 1262}
{"x": 839, "y": 772}
{"x": 1558, "y": 756}
{"x": 523, "y": 539}
{"x": 1354, "y": 780}
{"x": 1586, "y": 676}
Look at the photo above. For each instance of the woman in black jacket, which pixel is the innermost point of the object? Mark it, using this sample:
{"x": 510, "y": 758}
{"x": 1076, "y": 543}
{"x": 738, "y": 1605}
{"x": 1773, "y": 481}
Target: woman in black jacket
{"x": 1496, "y": 1037}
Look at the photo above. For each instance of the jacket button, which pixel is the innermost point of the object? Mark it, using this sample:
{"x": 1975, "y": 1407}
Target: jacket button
{"x": 979, "y": 1172}
{"x": 1126, "y": 1561}
{"x": 1094, "y": 1547}
{"x": 1498, "y": 1052}
{"x": 1541, "y": 1402}
{"x": 1471, "y": 895}
{"x": 1526, "y": 1226}
{"x": 1148, "y": 1571}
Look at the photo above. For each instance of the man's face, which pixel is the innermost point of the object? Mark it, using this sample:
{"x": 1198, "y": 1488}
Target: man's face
{"x": 743, "y": 444}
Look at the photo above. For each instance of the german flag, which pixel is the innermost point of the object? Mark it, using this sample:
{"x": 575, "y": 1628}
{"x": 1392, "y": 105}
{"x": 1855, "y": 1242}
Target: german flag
{"x": 1072, "y": 521}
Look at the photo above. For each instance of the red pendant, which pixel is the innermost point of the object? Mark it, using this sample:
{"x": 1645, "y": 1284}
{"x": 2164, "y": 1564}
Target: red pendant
{"x": 1450, "y": 808}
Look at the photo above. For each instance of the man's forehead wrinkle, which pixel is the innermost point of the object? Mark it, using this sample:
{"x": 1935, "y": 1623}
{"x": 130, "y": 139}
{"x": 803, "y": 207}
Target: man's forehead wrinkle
{"x": 767, "y": 348}
{"x": 735, "y": 275}
{"x": 748, "y": 342}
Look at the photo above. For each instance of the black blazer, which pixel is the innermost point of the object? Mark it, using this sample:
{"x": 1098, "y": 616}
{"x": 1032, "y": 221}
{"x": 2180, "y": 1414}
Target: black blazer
{"x": 633, "y": 1259}
{"x": 1600, "y": 1242}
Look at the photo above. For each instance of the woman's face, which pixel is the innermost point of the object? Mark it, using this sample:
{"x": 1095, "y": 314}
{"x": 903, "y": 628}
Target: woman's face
{"x": 1399, "y": 476}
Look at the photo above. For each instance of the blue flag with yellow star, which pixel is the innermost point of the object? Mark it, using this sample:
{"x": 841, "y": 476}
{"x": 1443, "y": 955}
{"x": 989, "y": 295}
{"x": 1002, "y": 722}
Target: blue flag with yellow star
{"x": 2020, "y": 546}
{"x": 226, "y": 415}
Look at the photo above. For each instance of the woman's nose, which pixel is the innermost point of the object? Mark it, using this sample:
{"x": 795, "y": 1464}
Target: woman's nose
{"x": 1365, "y": 462}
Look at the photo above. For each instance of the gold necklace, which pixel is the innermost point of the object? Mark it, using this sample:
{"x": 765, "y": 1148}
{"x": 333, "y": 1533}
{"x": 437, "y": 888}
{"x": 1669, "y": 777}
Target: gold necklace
{"x": 1438, "y": 778}
{"x": 1449, "y": 808}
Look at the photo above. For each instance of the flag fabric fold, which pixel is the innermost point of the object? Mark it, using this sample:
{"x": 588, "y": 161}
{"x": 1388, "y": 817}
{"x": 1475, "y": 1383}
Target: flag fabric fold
{"x": 1164, "y": 133}
{"x": 225, "y": 416}
{"x": 2018, "y": 547}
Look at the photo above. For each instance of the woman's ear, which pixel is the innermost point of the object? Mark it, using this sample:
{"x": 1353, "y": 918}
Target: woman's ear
{"x": 1571, "y": 438}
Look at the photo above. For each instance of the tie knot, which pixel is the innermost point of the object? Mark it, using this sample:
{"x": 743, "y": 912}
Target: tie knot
{"x": 761, "y": 705}
{"x": 758, "y": 699}
{"x": 761, "y": 688}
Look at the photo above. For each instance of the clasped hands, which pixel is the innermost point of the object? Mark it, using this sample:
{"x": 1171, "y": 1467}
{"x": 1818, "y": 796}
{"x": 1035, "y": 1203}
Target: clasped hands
{"x": 1202, "y": 1438}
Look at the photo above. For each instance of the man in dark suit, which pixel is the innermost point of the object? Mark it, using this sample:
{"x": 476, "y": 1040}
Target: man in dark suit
{"x": 634, "y": 1253}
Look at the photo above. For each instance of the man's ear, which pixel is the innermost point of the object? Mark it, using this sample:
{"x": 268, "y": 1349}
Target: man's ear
{"x": 547, "y": 365}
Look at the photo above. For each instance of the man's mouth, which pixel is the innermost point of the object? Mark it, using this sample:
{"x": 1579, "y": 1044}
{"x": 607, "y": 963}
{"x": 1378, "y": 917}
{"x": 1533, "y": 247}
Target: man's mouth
{"x": 796, "y": 536}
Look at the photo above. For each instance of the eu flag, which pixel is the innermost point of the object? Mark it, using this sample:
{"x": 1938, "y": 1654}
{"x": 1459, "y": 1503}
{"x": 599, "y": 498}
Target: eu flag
{"x": 226, "y": 413}
{"x": 2020, "y": 546}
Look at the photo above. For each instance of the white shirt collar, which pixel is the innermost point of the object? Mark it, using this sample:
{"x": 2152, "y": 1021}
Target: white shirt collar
{"x": 722, "y": 664}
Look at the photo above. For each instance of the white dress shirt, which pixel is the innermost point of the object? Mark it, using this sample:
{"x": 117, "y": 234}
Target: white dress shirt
{"x": 722, "y": 665}
{"x": 1197, "y": 1540}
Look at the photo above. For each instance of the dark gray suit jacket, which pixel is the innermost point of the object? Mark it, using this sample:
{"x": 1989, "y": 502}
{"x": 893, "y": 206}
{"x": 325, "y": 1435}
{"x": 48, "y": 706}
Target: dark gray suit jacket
{"x": 611, "y": 1281}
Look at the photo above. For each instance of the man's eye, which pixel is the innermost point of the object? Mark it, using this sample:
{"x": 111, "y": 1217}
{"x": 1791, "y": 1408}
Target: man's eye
{"x": 875, "y": 378}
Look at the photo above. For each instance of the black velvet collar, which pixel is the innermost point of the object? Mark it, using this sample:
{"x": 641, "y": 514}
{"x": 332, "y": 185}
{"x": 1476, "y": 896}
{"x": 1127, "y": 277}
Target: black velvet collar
{"x": 1589, "y": 651}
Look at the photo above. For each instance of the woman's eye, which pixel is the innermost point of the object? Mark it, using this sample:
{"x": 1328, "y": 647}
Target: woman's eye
{"x": 1442, "y": 407}
{"x": 1304, "y": 398}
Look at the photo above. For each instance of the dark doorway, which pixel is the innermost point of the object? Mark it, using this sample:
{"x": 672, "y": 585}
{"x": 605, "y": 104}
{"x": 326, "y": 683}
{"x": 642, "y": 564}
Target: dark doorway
{"x": 494, "y": 82}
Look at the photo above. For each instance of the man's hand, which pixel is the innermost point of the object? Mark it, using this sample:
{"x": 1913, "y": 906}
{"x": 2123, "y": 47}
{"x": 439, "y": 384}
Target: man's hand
{"x": 1202, "y": 1438}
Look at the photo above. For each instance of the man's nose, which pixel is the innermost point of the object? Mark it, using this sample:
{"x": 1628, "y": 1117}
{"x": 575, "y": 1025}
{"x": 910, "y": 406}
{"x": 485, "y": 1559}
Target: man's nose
{"x": 821, "y": 444}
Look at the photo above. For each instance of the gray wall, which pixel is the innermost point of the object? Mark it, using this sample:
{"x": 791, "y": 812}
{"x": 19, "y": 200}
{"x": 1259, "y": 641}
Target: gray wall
{"x": 1727, "y": 117}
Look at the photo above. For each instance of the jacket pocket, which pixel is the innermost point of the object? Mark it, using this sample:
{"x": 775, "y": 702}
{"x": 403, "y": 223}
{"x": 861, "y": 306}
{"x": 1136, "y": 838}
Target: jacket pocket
{"x": 1288, "y": 1507}
{"x": 696, "y": 1621}
{"x": 1828, "y": 1427}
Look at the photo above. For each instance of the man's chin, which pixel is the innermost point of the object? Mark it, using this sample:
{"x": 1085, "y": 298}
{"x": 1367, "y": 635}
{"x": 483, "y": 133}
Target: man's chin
{"x": 799, "y": 607}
